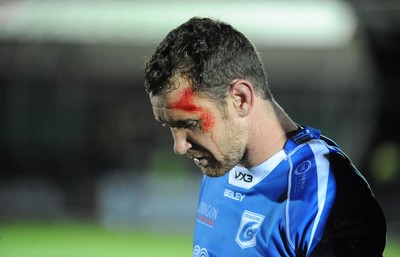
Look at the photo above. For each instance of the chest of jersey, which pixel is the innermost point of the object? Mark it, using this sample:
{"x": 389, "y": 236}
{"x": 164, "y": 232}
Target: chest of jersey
{"x": 234, "y": 221}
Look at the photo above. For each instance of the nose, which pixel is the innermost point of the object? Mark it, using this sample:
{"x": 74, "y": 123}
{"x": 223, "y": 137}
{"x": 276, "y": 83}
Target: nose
{"x": 181, "y": 145}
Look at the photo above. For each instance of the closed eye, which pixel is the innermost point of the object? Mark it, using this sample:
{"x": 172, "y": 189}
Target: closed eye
{"x": 185, "y": 124}
{"x": 192, "y": 124}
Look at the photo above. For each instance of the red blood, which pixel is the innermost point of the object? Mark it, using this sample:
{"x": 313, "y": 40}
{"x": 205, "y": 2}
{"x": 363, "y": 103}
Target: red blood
{"x": 186, "y": 103}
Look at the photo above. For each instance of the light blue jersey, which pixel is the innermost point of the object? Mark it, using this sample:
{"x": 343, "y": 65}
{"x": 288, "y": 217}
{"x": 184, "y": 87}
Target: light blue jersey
{"x": 306, "y": 200}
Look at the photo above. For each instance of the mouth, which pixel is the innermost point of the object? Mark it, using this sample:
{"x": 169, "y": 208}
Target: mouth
{"x": 200, "y": 162}
{"x": 201, "y": 159}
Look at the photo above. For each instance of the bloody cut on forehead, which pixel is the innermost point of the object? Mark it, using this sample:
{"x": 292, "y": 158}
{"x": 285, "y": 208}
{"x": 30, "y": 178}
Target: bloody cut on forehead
{"x": 186, "y": 103}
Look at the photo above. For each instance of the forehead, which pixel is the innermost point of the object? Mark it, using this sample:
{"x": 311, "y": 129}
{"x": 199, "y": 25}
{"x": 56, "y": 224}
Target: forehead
{"x": 183, "y": 104}
{"x": 181, "y": 98}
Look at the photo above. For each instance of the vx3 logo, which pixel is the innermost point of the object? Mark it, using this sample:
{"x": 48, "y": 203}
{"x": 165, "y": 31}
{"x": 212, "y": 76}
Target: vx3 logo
{"x": 243, "y": 176}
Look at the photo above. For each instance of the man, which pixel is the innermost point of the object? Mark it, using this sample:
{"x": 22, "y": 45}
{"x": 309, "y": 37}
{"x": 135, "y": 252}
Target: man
{"x": 271, "y": 187}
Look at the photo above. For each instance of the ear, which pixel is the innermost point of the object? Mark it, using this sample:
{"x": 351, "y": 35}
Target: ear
{"x": 241, "y": 91}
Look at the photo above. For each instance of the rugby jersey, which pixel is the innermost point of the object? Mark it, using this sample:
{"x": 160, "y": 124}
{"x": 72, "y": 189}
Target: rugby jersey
{"x": 306, "y": 200}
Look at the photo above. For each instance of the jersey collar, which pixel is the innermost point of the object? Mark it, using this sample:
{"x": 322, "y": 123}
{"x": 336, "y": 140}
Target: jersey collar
{"x": 247, "y": 178}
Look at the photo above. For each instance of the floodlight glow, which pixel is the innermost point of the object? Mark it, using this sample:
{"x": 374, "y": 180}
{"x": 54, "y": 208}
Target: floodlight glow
{"x": 293, "y": 23}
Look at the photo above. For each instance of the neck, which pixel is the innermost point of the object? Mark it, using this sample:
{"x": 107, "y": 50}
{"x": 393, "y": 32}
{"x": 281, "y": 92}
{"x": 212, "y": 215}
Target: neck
{"x": 268, "y": 133}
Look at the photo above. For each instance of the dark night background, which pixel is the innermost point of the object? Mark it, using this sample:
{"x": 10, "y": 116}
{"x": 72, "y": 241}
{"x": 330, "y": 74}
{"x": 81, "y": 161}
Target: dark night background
{"x": 75, "y": 120}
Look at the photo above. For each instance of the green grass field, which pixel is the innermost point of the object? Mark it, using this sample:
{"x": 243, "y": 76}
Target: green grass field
{"x": 88, "y": 240}
{"x": 83, "y": 240}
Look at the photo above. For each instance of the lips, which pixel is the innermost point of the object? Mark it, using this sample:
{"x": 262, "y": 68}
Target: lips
{"x": 195, "y": 154}
{"x": 200, "y": 161}
{"x": 199, "y": 158}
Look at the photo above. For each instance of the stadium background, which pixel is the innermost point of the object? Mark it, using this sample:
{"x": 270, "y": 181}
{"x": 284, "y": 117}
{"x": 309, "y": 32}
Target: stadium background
{"x": 85, "y": 170}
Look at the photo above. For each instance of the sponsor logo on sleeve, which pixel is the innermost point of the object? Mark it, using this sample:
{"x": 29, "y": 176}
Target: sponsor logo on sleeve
{"x": 301, "y": 172}
{"x": 249, "y": 226}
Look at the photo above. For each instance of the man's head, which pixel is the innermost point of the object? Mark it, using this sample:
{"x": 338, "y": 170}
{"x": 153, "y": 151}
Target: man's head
{"x": 210, "y": 54}
{"x": 202, "y": 81}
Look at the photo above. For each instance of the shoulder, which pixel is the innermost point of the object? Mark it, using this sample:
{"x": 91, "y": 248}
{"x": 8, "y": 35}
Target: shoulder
{"x": 310, "y": 170}
{"x": 356, "y": 225}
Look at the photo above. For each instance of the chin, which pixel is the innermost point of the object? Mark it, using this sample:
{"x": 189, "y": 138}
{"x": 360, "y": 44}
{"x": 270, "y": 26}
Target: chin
{"x": 215, "y": 172}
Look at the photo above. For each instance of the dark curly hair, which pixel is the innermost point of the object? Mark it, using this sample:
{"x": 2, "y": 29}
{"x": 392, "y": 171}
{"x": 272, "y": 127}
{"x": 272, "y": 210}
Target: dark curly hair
{"x": 210, "y": 54}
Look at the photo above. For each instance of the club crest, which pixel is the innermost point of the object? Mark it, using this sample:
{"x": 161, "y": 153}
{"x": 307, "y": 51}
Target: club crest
{"x": 249, "y": 226}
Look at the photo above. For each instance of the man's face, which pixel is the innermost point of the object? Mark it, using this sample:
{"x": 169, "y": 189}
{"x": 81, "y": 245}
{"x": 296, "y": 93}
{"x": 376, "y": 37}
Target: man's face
{"x": 200, "y": 129}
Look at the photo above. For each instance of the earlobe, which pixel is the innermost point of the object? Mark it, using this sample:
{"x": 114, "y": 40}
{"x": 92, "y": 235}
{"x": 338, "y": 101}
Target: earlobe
{"x": 242, "y": 94}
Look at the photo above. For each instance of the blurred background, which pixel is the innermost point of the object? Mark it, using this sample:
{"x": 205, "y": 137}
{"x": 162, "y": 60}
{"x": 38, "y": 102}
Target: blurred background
{"x": 78, "y": 141}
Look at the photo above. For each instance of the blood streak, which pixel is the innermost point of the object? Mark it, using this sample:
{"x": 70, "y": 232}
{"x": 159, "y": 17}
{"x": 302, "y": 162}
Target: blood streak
{"x": 186, "y": 103}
